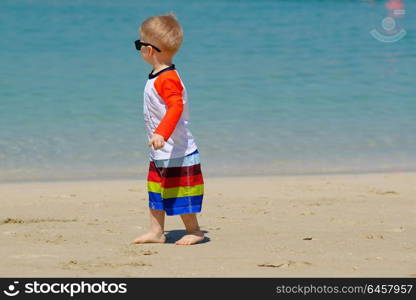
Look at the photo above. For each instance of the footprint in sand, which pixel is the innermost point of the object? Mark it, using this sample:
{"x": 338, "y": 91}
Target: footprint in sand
{"x": 377, "y": 258}
{"x": 387, "y": 192}
{"x": 380, "y": 192}
{"x": 307, "y": 213}
{"x": 57, "y": 239}
{"x": 324, "y": 201}
{"x": 374, "y": 236}
{"x": 270, "y": 265}
{"x": 63, "y": 196}
{"x": 70, "y": 264}
{"x": 76, "y": 264}
{"x": 289, "y": 264}
{"x": 148, "y": 252}
{"x": 37, "y": 220}
{"x": 117, "y": 265}
{"x": 141, "y": 252}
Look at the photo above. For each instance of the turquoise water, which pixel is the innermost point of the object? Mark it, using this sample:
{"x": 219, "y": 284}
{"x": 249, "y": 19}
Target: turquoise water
{"x": 275, "y": 87}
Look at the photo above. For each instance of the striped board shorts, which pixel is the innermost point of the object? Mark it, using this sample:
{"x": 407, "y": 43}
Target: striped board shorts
{"x": 176, "y": 185}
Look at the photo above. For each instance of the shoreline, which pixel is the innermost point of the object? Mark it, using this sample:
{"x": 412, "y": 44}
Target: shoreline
{"x": 356, "y": 225}
{"x": 255, "y": 175}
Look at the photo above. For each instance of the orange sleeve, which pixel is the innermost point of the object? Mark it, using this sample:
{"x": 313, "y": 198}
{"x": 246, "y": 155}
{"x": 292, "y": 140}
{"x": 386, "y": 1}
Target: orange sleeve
{"x": 169, "y": 88}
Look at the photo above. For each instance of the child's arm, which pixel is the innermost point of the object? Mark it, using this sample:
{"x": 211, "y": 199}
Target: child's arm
{"x": 170, "y": 90}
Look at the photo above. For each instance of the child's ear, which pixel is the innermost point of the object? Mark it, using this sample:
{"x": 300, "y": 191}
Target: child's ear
{"x": 149, "y": 50}
{"x": 144, "y": 51}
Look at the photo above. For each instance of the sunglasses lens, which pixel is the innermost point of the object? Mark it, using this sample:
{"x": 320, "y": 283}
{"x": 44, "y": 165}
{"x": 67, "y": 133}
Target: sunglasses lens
{"x": 138, "y": 45}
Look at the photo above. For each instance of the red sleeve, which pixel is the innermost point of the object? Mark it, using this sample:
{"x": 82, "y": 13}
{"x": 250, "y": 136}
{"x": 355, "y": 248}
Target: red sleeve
{"x": 169, "y": 88}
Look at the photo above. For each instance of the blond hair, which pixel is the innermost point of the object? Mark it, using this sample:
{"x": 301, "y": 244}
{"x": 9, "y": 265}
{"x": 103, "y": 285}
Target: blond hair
{"x": 165, "y": 31}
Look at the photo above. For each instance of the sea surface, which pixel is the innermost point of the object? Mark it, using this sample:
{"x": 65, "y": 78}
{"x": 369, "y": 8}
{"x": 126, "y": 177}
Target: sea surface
{"x": 275, "y": 87}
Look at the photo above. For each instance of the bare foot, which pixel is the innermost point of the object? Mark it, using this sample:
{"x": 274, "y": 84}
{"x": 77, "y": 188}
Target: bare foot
{"x": 191, "y": 238}
{"x": 150, "y": 237}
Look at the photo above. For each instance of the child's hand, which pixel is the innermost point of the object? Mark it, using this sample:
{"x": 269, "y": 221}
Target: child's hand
{"x": 157, "y": 141}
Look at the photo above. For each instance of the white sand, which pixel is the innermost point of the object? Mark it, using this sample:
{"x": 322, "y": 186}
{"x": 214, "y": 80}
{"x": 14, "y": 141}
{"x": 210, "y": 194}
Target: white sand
{"x": 334, "y": 225}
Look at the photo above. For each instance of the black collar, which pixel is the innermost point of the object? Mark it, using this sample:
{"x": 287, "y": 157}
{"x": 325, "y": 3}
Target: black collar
{"x": 151, "y": 75}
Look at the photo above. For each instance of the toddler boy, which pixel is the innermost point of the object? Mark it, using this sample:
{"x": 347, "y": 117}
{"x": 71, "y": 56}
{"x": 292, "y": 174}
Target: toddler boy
{"x": 175, "y": 183}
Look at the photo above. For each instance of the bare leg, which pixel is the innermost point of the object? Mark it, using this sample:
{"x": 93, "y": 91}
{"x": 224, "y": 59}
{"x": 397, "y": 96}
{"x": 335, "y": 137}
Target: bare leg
{"x": 156, "y": 233}
{"x": 194, "y": 235}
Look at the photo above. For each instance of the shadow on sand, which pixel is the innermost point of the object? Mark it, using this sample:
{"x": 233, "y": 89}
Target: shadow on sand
{"x": 173, "y": 235}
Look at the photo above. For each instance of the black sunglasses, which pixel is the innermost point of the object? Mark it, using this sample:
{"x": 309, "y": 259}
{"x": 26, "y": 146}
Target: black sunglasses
{"x": 139, "y": 45}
